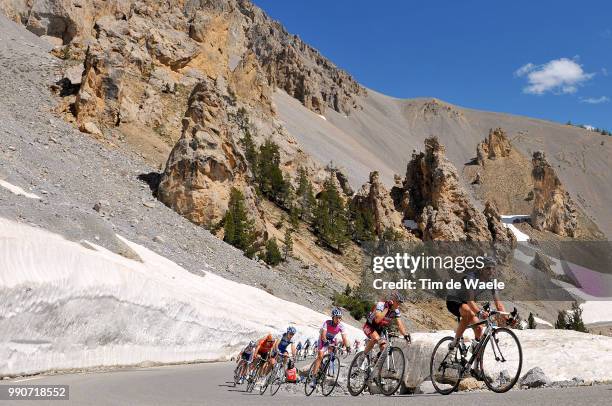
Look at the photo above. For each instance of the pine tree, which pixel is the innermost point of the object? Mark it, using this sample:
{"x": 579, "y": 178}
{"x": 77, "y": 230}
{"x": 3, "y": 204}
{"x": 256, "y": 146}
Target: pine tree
{"x": 561, "y": 323}
{"x": 575, "y": 321}
{"x": 287, "y": 243}
{"x": 305, "y": 198}
{"x": 331, "y": 219}
{"x": 531, "y": 324}
{"x": 272, "y": 255}
{"x": 238, "y": 229}
{"x": 269, "y": 175}
{"x": 362, "y": 222}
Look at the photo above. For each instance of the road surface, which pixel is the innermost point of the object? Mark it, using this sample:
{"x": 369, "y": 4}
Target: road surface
{"x": 208, "y": 384}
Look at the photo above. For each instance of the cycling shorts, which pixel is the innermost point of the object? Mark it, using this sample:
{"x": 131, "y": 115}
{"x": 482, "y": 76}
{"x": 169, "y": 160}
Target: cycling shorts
{"x": 453, "y": 307}
{"x": 369, "y": 328}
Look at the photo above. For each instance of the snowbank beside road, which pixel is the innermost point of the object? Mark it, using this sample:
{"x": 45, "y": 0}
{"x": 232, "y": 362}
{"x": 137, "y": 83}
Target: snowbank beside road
{"x": 63, "y": 305}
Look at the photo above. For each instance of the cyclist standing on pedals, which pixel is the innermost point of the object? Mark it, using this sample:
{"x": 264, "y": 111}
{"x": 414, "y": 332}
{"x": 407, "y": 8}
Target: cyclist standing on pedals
{"x": 380, "y": 317}
{"x": 282, "y": 344}
{"x": 246, "y": 355}
{"x": 329, "y": 330}
{"x": 264, "y": 349}
{"x": 462, "y": 304}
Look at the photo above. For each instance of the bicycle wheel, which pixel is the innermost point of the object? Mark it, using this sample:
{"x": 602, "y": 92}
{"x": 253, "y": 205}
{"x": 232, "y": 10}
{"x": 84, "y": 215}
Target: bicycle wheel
{"x": 277, "y": 380}
{"x": 237, "y": 373}
{"x": 329, "y": 375}
{"x": 445, "y": 373}
{"x": 308, "y": 388}
{"x": 501, "y": 360}
{"x": 253, "y": 377}
{"x": 391, "y": 372}
{"x": 358, "y": 374}
{"x": 266, "y": 382}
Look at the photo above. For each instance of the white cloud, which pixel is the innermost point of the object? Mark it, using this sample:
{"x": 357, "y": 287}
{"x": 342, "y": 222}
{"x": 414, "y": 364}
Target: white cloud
{"x": 595, "y": 100}
{"x": 559, "y": 76}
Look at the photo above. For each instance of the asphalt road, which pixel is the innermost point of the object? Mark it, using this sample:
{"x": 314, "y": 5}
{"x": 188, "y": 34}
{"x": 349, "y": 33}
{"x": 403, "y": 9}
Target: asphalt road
{"x": 208, "y": 384}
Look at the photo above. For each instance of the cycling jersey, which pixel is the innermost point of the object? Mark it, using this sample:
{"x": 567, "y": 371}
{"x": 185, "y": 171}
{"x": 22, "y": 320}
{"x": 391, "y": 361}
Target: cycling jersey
{"x": 331, "y": 331}
{"x": 299, "y": 346}
{"x": 464, "y": 294}
{"x": 381, "y": 307}
{"x": 265, "y": 346}
{"x": 284, "y": 342}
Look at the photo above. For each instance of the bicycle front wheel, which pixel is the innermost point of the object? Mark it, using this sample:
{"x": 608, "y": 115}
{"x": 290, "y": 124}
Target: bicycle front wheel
{"x": 358, "y": 374}
{"x": 253, "y": 377}
{"x": 329, "y": 376}
{"x": 501, "y": 360}
{"x": 445, "y": 370}
{"x": 308, "y": 386}
{"x": 277, "y": 380}
{"x": 391, "y": 371}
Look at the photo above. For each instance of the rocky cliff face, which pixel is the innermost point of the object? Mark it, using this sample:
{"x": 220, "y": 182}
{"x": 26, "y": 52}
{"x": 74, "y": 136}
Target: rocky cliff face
{"x": 553, "y": 208}
{"x": 130, "y": 46}
{"x": 375, "y": 198}
{"x": 432, "y": 196}
{"x": 496, "y": 145}
{"x": 207, "y": 161}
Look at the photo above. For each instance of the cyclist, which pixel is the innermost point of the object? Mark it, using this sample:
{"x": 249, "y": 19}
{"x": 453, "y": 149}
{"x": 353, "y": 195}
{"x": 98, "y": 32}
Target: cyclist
{"x": 462, "y": 304}
{"x": 282, "y": 344}
{"x": 264, "y": 349}
{"x": 381, "y": 315}
{"x": 247, "y": 355}
{"x": 299, "y": 347}
{"x": 306, "y": 347}
{"x": 356, "y": 346}
{"x": 329, "y": 330}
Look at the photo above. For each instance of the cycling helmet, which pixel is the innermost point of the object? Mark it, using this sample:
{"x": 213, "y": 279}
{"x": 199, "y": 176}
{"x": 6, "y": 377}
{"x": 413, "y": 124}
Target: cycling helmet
{"x": 336, "y": 312}
{"x": 251, "y": 343}
{"x": 396, "y": 297}
{"x": 489, "y": 262}
{"x": 291, "y": 330}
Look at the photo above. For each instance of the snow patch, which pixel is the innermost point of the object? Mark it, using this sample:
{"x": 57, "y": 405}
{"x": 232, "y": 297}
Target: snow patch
{"x": 508, "y": 221}
{"x": 66, "y": 306}
{"x": 17, "y": 190}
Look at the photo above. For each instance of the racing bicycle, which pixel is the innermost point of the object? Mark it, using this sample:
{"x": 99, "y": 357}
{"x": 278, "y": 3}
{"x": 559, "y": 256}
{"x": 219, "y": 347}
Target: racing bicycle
{"x": 328, "y": 373}
{"x": 387, "y": 371}
{"x": 496, "y": 359}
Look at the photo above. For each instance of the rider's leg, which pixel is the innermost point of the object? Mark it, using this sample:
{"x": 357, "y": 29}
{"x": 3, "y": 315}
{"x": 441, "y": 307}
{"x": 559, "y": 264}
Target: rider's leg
{"x": 374, "y": 337}
{"x": 317, "y": 362}
{"x": 467, "y": 317}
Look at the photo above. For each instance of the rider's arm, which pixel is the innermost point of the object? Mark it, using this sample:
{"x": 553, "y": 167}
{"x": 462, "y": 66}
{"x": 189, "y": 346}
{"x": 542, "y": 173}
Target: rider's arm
{"x": 322, "y": 336}
{"x": 473, "y": 306}
{"x": 401, "y": 327}
{"x": 293, "y": 350}
{"x": 379, "y": 316}
{"x": 498, "y": 303}
{"x": 345, "y": 341}
{"x": 275, "y": 345}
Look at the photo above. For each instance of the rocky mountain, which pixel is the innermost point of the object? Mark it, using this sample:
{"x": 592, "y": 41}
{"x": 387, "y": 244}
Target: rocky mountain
{"x": 183, "y": 85}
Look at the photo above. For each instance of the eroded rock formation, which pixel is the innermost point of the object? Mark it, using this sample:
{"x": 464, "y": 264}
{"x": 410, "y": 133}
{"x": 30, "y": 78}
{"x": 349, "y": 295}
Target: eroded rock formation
{"x": 496, "y": 145}
{"x": 553, "y": 208}
{"x": 206, "y": 162}
{"x": 376, "y": 199}
{"x": 432, "y": 196}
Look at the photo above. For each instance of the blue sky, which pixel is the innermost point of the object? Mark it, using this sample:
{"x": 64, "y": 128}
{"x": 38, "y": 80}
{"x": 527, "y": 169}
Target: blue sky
{"x": 544, "y": 59}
